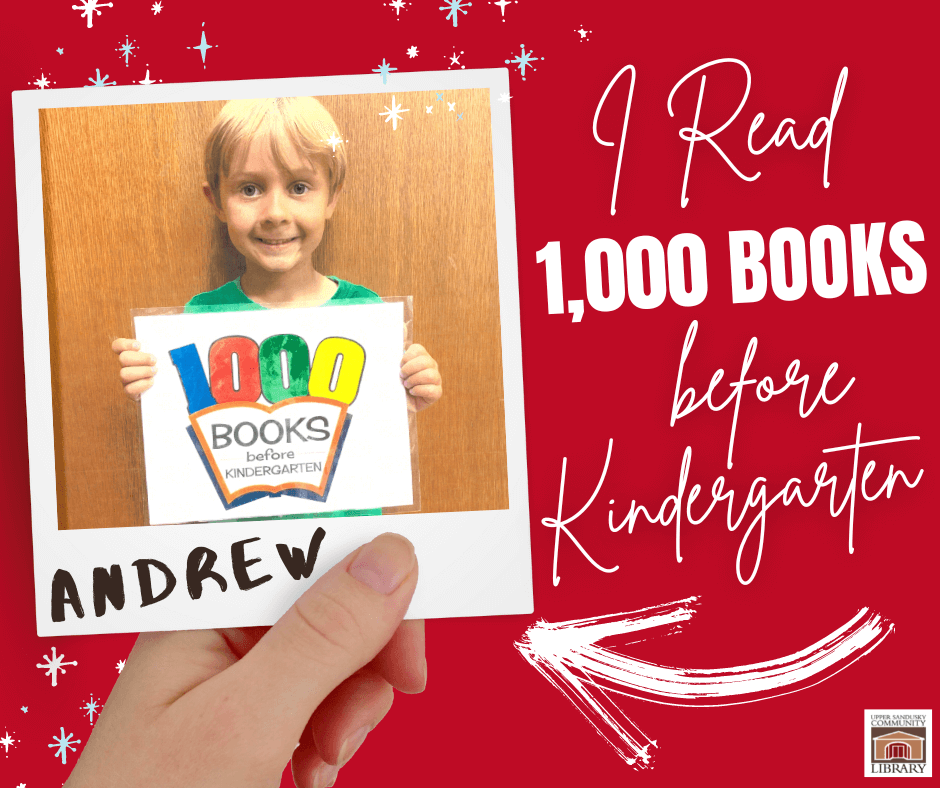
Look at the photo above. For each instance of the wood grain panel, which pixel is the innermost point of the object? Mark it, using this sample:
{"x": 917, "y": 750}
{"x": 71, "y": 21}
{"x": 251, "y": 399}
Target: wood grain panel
{"x": 127, "y": 227}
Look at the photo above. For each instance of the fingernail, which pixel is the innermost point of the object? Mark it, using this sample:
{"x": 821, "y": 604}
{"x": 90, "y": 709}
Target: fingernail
{"x": 384, "y": 563}
{"x": 153, "y": 369}
{"x": 153, "y": 360}
{"x": 136, "y": 345}
{"x": 401, "y": 373}
{"x": 325, "y": 775}
{"x": 352, "y": 744}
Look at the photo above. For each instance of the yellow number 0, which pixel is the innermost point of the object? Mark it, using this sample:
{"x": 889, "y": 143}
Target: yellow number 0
{"x": 352, "y": 359}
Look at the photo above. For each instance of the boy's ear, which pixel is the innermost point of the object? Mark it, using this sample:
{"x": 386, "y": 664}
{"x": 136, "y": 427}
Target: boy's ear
{"x": 210, "y": 197}
{"x": 332, "y": 204}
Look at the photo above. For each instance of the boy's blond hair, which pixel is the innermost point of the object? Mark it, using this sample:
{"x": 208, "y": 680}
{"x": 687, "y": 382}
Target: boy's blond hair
{"x": 302, "y": 122}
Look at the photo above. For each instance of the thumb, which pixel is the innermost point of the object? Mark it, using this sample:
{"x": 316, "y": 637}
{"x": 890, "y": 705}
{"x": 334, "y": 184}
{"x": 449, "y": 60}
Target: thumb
{"x": 336, "y": 627}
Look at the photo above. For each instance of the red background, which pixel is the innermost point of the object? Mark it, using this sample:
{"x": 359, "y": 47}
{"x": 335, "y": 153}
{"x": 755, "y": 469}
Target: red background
{"x": 487, "y": 717}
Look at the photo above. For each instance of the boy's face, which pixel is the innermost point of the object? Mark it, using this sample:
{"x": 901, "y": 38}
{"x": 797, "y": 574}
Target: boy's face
{"x": 275, "y": 217}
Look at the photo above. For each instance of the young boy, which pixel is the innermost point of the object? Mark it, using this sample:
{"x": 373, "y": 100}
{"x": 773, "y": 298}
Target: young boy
{"x": 273, "y": 177}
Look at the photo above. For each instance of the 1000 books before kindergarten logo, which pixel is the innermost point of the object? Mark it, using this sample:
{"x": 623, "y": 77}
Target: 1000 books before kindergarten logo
{"x": 292, "y": 445}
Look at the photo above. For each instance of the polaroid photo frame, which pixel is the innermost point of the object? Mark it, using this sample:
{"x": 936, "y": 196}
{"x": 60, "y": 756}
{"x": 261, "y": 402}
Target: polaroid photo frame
{"x": 111, "y": 219}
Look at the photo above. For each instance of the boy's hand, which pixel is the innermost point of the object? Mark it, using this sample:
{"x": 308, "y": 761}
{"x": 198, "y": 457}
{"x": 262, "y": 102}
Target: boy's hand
{"x": 226, "y": 708}
{"x": 137, "y": 369}
{"x": 421, "y": 377}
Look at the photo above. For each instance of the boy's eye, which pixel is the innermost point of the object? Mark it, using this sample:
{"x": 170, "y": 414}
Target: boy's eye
{"x": 249, "y": 190}
{"x": 299, "y": 188}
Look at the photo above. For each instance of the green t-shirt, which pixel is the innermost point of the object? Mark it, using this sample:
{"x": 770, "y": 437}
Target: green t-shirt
{"x": 231, "y": 298}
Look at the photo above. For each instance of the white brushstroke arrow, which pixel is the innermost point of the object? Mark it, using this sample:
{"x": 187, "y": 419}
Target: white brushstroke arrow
{"x": 566, "y": 653}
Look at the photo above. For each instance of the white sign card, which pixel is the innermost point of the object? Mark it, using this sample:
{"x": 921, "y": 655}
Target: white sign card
{"x": 268, "y": 413}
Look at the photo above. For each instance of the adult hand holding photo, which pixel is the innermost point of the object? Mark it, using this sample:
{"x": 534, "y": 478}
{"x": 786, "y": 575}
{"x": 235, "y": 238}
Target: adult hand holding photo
{"x": 228, "y": 707}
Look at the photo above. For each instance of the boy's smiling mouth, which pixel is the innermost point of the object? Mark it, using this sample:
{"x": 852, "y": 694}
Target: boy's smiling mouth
{"x": 276, "y": 241}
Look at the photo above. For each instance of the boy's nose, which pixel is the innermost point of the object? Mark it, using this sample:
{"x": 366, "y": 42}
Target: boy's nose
{"x": 276, "y": 209}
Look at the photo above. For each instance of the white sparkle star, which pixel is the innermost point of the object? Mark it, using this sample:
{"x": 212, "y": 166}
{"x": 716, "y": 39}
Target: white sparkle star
{"x": 428, "y": 110}
{"x": 398, "y": 5}
{"x": 450, "y": 107}
{"x": 502, "y": 7}
{"x": 7, "y": 741}
{"x": 147, "y": 80}
{"x": 120, "y": 665}
{"x": 156, "y": 8}
{"x": 64, "y": 743}
{"x": 582, "y": 33}
{"x": 55, "y": 664}
{"x": 455, "y": 59}
{"x": 394, "y": 114}
{"x": 412, "y": 51}
{"x": 89, "y": 8}
{"x": 334, "y": 141}
{"x": 504, "y": 97}
{"x": 42, "y": 83}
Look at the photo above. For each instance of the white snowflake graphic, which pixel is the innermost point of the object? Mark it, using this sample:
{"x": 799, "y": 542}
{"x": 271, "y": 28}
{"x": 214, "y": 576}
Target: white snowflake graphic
{"x": 120, "y": 665}
{"x": 91, "y": 708}
{"x": 384, "y": 69}
{"x": 156, "y": 8}
{"x": 504, "y": 97}
{"x": 64, "y": 743}
{"x": 7, "y": 741}
{"x": 523, "y": 60}
{"x": 454, "y": 7}
{"x": 55, "y": 664}
{"x": 412, "y": 51}
{"x": 126, "y": 49}
{"x": 429, "y": 110}
{"x": 455, "y": 60}
{"x": 398, "y": 5}
{"x": 451, "y": 106}
{"x": 582, "y": 33}
{"x": 42, "y": 83}
{"x": 502, "y": 6}
{"x": 91, "y": 7}
{"x": 394, "y": 114}
{"x": 204, "y": 46}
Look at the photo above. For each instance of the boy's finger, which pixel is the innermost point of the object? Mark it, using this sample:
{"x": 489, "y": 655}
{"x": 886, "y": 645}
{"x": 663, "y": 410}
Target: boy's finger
{"x": 130, "y": 374}
{"x": 429, "y": 376}
{"x": 138, "y": 387}
{"x": 336, "y": 627}
{"x": 418, "y": 364}
{"x": 121, "y": 344}
{"x": 131, "y": 358}
{"x": 427, "y": 392}
{"x": 413, "y": 351}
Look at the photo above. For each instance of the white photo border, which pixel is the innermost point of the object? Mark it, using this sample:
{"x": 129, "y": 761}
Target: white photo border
{"x": 472, "y": 563}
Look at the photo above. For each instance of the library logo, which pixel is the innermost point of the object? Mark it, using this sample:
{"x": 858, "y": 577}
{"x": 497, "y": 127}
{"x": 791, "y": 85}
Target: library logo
{"x": 898, "y": 743}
